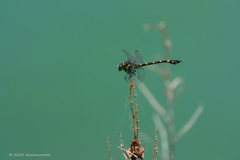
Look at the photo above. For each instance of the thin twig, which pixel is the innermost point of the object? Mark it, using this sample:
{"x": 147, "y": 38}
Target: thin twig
{"x": 121, "y": 139}
{"x": 127, "y": 151}
{"x": 122, "y": 147}
{"x": 155, "y": 146}
{"x": 134, "y": 128}
{"x": 169, "y": 86}
{"x": 177, "y": 81}
{"x": 156, "y": 69}
{"x": 191, "y": 122}
{"x": 163, "y": 136}
{"x": 179, "y": 91}
{"x": 151, "y": 99}
{"x": 108, "y": 147}
{"x": 167, "y": 43}
{"x": 135, "y": 95}
{"x": 170, "y": 120}
{"x": 147, "y": 26}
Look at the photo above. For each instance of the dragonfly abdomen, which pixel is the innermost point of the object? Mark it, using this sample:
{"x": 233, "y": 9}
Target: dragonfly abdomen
{"x": 165, "y": 61}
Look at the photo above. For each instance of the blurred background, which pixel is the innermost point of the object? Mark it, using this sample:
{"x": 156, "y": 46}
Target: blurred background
{"x": 61, "y": 92}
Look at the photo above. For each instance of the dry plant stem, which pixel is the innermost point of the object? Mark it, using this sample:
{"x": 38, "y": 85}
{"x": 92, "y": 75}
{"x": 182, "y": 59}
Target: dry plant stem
{"x": 157, "y": 70}
{"x": 172, "y": 156}
{"x": 155, "y": 146}
{"x": 128, "y": 152}
{"x": 179, "y": 91}
{"x": 167, "y": 43}
{"x": 151, "y": 99}
{"x": 170, "y": 120}
{"x": 122, "y": 148}
{"x": 135, "y": 95}
{"x": 108, "y": 147}
{"x": 190, "y": 123}
{"x": 163, "y": 135}
{"x": 169, "y": 93}
{"x": 168, "y": 114}
{"x": 136, "y": 150}
{"x": 121, "y": 138}
{"x": 134, "y": 127}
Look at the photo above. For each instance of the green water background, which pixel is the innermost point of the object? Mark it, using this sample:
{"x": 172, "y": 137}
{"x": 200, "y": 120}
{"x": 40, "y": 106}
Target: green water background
{"x": 61, "y": 92}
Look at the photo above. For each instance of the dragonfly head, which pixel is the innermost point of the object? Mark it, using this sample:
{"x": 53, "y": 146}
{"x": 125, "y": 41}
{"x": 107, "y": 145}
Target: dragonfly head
{"x": 120, "y": 66}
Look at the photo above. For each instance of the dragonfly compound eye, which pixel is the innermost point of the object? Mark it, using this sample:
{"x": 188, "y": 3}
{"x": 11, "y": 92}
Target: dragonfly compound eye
{"x": 119, "y": 67}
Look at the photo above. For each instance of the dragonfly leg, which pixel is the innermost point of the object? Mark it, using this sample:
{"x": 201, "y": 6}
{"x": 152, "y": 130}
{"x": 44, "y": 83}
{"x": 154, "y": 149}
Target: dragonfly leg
{"x": 128, "y": 77}
{"x": 132, "y": 73}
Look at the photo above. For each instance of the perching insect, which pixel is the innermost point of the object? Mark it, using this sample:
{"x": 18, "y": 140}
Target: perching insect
{"x": 135, "y": 64}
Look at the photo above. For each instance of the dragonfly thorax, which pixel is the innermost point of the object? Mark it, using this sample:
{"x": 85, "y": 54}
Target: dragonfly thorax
{"x": 123, "y": 66}
{"x": 128, "y": 65}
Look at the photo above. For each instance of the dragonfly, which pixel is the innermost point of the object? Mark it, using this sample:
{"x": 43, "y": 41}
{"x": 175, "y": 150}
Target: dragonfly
{"x": 134, "y": 65}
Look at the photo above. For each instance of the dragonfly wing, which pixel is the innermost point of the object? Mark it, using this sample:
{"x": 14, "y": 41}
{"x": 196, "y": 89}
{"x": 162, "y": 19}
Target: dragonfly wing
{"x": 127, "y": 77}
{"x": 129, "y": 56}
{"x": 141, "y": 74}
{"x": 138, "y": 57}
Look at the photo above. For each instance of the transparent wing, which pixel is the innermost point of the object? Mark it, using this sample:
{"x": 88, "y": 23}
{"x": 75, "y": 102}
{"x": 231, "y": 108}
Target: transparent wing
{"x": 138, "y": 57}
{"x": 127, "y": 77}
{"x": 141, "y": 74}
{"x": 129, "y": 56}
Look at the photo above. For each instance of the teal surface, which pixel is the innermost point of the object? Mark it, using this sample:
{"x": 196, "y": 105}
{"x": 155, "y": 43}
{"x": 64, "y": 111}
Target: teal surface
{"x": 61, "y": 92}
